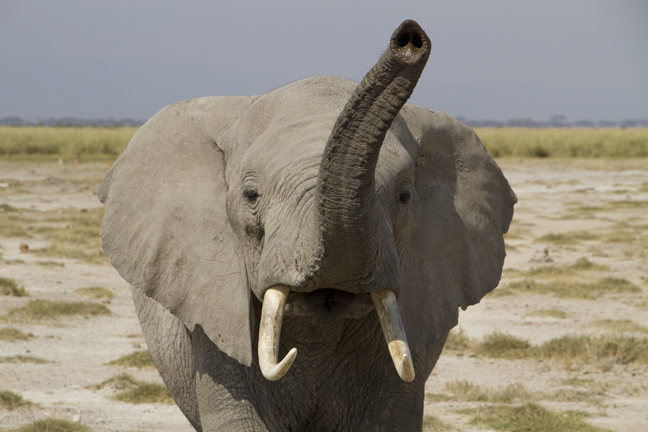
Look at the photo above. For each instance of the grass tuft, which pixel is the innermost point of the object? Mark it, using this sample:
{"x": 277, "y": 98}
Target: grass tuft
{"x": 500, "y": 345}
{"x": 23, "y": 359}
{"x": 10, "y": 287}
{"x": 603, "y": 351}
{"x": 95, "y": 293}
{"x": 434, "y": 424}
{"x": 138, "y": 359}
{"x": 7, "y": 208}
{"x": 457, "y": 341}
{"x": 146, "y": 393}
{"x": 569, "y": 288}
{"x": 553, "y": 313}
{"x": 136, "y": 392}
{"x": 54, "y": 425}
{"x": 622, "y": 326}
{"x": 469, "y": 392}
{"x": 568, "y": 238}
{"x": 530, "y": 417}
{"x": 48, "y": 310}
{"x": 9, "y": 334}
{"x": 11, "y": 401}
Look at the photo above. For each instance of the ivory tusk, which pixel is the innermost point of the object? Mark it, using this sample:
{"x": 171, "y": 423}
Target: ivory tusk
{"x": 274, "y": 302}
{"x": 390, "y": 320}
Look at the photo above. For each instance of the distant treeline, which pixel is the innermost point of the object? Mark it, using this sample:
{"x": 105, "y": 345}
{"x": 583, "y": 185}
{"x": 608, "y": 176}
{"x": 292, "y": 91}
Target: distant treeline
{"x": 71, "y": 121}
{"x": 557, "y": 121}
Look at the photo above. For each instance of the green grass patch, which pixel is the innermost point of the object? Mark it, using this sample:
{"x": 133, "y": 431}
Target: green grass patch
{"x": 7, "y": 208}
{"x": 53, "y": 425}
{"x": 136, "y": 392}
{"x": 568, "y": 288}
{"x": 10, "y": 287}
{"x": 9, "y": 334}
{"x": 565, "y": 142}
{"x": 457, "y": 342}
{"x": 70, "y": 233}
{"x": 23, "y": 359}
{"x": 146, "y": 393}
{"x": 11, "y": 401}
{"x": 138, "y": 359}
{"x": 434, "y": 424}
{"x": 501, "y": 345}
{"x": 602, "y": 351}
{"x": 49, "y": 310}
{"x": 530, "y": 417}
{"x": 568, "y": 238}
{"x": 69, "y": 143}
{"x": 49, "y": 264}
{"x": 622, "y": 326}
{"x": 97, "y": 293}
{"x": 550, "y": 313}
{"x": 466, "y": 391}
{"x": 628, "y": 204}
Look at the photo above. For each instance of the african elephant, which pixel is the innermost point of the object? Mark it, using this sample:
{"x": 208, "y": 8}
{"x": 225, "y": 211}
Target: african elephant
{"x": 326, "y": 223}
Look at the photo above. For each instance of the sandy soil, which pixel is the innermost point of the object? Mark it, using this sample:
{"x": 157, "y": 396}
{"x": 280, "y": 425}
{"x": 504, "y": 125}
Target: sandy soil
{"x": 552, "y": 195}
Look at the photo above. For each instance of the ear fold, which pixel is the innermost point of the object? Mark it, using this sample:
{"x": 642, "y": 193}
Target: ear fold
{"x": 456, "y": 254}
{"x": 166, "y": 229}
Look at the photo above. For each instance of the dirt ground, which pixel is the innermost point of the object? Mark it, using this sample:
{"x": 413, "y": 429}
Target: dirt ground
{"x": 554, "y": 197}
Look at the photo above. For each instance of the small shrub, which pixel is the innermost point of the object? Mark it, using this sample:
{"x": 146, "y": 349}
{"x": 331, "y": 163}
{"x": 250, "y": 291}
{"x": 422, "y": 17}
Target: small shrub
{"x": 138, "y": 359}
{"x": 10, "y": 334}
{"x": 10, "y": 287}
{"x": 54, "y": 425}
{"x": 11, "y": 401}
{"x": 45, "y": 309}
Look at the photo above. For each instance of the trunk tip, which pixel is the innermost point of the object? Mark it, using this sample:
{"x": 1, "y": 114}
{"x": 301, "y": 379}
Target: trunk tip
{"x": 410, "y": 43}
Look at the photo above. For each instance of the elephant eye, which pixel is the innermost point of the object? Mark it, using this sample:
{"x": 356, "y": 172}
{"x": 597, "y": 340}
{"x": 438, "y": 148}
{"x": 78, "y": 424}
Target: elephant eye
{"x": 404, "y": 197}
{"x": 251, "y": 195}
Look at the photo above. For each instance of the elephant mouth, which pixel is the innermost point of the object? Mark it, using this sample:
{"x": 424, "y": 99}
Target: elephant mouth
{"x": 275, "y": 303}
{"x": 328, "y": 304}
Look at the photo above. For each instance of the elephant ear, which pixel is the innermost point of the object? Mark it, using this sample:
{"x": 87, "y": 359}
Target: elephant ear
{"x": 456, "y": 254}
{"x": 166, "y": 229}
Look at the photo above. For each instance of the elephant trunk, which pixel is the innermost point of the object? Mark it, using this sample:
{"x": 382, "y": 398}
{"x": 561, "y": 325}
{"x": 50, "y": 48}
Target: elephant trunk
{"x": 346, "y": 197}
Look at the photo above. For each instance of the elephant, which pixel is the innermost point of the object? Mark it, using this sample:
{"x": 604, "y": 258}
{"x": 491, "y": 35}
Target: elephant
{"x": 298, "y": 258}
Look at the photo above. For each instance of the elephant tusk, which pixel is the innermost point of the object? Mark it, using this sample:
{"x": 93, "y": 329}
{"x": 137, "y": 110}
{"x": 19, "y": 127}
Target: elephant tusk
{"x": 274, "y": 302}
{"x": 389, "y": 316}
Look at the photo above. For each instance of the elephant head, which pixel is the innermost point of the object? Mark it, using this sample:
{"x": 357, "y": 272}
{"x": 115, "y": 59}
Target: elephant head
{"x": 323, "y": 199}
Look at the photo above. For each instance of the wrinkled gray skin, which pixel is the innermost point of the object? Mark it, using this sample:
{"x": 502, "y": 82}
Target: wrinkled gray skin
{"x": 332, "y": 188}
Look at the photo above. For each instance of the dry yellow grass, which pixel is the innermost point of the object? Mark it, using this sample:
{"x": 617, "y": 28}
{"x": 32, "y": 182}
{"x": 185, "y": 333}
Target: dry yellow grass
{"x": 565, "y": 143}
{"x": 70, "y": 143}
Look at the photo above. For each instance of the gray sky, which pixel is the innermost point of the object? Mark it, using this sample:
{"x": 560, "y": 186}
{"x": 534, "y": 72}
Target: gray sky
{"x": 496, "y": 59}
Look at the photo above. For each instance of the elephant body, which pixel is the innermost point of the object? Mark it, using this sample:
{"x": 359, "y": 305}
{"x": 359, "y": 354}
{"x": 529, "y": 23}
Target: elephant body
{"x": 331, "y": 197}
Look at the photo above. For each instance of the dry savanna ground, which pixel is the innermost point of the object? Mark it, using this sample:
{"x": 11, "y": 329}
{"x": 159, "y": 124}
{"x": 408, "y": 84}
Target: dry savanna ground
{"x": 561, "y": 345}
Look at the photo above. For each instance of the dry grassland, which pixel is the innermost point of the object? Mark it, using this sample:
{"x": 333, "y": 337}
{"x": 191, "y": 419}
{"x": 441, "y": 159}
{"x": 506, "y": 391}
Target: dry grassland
{"x": 561, "y": 345}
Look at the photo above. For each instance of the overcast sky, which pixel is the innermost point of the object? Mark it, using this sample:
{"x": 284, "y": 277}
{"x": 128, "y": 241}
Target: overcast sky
{"x": 497, "y": 60}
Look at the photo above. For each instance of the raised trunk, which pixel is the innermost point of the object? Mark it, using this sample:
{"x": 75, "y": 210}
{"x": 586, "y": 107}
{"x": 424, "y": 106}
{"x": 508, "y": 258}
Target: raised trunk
{"x": 346, "y": 196}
